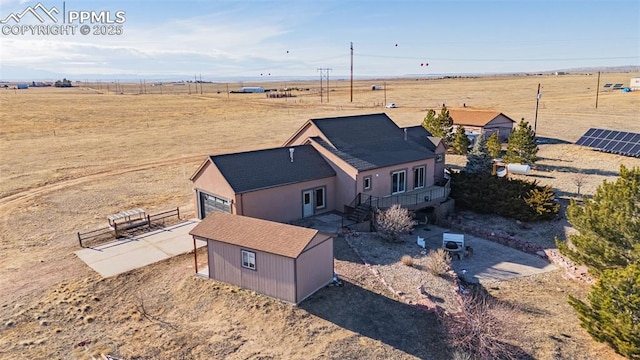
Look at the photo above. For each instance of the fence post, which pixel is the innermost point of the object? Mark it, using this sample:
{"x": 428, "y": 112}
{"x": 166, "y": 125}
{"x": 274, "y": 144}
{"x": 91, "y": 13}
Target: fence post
{"x": 80, "y": 239}
{"x": 115, "y": 229}
{"x": 178, "y": 212}
{"x": 149, "y": 221}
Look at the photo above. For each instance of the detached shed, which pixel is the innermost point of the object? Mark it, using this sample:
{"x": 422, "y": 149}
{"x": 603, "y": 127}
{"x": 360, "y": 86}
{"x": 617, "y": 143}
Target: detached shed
{"x": 283, "y": 261}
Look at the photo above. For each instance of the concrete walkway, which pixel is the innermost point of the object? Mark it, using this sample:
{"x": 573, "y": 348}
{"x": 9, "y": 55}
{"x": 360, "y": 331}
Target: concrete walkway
{"x": 490, "y": 261}
{"x": 131, "y": 253}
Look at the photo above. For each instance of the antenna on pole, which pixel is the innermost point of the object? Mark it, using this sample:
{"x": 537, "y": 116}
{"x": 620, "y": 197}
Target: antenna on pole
{"x": 351, "y": 72}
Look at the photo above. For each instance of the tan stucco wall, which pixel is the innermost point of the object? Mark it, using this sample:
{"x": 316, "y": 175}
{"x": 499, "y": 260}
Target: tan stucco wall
{"x": 381, "y": 177}
{"x": 284, "y": 203}
{"x": 345, "y": 177}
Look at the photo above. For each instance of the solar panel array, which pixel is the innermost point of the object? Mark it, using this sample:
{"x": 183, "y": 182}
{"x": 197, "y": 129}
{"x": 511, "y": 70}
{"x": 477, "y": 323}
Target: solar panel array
{"x": 612, "y": 141}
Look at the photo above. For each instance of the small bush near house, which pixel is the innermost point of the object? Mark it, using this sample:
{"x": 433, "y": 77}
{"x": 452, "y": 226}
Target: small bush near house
{"x": 407, "y": 260}
{"x": 438, "y": 262}
{"x": 394, "y": 221}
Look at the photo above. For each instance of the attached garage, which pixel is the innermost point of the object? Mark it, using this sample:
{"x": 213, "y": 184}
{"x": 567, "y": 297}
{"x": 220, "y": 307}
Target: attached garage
{"x": 282, "y": 261}
{"x": 209, "y": 203}
{"x": 248, "y": 183}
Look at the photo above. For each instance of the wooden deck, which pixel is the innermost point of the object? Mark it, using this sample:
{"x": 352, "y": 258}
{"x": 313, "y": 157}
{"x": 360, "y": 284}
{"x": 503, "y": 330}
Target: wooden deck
{"x": 415, "y": 199}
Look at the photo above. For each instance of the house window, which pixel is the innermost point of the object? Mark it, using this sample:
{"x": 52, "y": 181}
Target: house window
{"x": 398, "y": 181}
{"x": 248, "y": 260}
{"x": 418, "y": 177}
{"x": 366, "y": 183}
{"x": 439, "y": 157}
{"x": 320, "y": 198}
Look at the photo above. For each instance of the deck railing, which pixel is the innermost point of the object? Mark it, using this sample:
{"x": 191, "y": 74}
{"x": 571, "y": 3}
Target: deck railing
{"x": 410, "y": 199}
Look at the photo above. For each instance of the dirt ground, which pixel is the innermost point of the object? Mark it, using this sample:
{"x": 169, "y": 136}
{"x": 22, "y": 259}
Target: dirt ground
{"x": 70, "y": 157}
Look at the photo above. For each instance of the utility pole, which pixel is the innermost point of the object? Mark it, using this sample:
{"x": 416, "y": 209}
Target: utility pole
{"x": 324, "y": 71}
{"x": 535, "y": 121}
{"x": 320, "y": 84}
{"x": 351, "y": 72}
{"x": 385, "y": 94}
{"x": 597, "y": 89}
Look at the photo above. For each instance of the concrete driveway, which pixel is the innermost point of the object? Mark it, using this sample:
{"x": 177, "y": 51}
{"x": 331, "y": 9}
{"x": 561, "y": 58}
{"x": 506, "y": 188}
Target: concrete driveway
{"x": 490, "y": 261}
{"x": 131, "y": 253}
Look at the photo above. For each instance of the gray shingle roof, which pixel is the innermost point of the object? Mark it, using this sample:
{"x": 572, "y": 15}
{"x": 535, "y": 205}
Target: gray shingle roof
{"x": 261, "y": 169}
{"x": 421, "y": 136}
{"x": 370, "y": 141}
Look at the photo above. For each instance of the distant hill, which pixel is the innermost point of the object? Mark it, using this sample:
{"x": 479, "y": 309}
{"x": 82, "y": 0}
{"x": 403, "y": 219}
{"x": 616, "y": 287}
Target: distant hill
{"x": 616, "y": 69}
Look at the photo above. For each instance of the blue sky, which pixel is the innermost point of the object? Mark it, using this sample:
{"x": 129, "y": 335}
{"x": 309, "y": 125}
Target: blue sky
{"x": 288, "y": 39}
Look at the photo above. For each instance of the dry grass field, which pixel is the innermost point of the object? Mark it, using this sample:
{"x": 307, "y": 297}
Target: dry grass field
{"x": 70, "y": 157}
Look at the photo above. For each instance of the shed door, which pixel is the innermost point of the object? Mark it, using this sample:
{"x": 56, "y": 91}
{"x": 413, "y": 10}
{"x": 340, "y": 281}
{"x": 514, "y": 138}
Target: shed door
{"x": 209, "y": 203}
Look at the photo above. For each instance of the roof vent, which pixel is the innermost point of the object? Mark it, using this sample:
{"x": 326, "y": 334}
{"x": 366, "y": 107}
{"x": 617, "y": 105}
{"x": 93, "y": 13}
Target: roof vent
{"x": 291, "y": 150}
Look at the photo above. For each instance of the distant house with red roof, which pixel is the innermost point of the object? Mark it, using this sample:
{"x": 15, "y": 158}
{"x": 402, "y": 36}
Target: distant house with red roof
{"x": 485, "y": 122}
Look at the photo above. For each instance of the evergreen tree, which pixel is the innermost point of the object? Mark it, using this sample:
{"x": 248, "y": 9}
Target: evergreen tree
{"x": 431, "y": 124}
{"x": 613, "y": 312}
{"x": 608, "y": 242}
{"x": 440, "y": 125}
{"x": 522, "y": 146}
{"x": 608, "y": 225}
{"x": 494, "y": 147}
{"x": 461, "y": 141}
{"x": 478, "y": 160}
{"x": 446, "y": 124}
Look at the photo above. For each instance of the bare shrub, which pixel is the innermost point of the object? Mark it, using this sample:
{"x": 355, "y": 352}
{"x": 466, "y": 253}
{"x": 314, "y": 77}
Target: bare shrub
{"x": 578, "y": 180}
{"x": 476, "y": 329}
{"x": 461, "y": 355}
{"x": 394, "y": 221}
{"x": 407, "y": 260}
{"x": 438, "y": 262}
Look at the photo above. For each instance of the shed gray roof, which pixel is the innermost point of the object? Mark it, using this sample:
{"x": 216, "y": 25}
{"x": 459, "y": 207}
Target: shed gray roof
{"x": 261, "y": 169}
{"x": 370, "y": 141}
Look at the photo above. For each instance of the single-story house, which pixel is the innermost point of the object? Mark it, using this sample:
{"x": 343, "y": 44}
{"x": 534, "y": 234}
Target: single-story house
{"x": 485, "y": 122}
{"x": 283, "y": 261}
{"x": 328, "y": 164}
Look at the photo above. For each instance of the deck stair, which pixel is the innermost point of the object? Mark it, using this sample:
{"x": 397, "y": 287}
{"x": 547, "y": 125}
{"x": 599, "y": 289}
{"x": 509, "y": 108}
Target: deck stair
{"x": 360, "y": 213}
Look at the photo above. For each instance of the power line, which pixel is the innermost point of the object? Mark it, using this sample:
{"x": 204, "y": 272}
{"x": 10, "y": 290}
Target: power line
{"x": 499, "y": 59}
